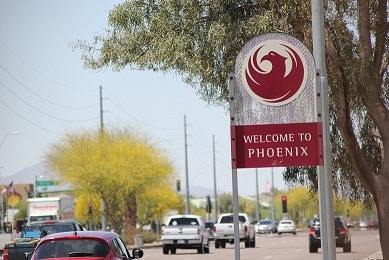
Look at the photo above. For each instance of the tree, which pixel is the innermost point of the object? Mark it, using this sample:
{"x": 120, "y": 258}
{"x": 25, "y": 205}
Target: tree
{"x": 119, "y": 167}
{"x": 199, "y": 40}
{"x": 87, "y": 209}
{"x": 301, "y": 204}
{"x": 22, "y": 210}
{"x": 155, "y": 201}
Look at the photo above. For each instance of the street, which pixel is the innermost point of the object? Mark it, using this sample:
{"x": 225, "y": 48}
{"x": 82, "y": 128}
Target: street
{"x": 273, "y": 246}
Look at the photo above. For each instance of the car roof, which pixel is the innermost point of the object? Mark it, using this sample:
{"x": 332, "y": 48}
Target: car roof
{"x": 265, "y": 221}
{"x": 51, "y": 222}
{"x": 105, "y": 235}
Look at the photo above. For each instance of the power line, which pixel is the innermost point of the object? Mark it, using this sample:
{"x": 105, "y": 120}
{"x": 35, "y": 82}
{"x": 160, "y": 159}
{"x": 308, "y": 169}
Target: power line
{"x": 25, "y": 62}
{"x": 42, "y": 112}
{"x": 41, "y": 97}
{"x": 29, "y": 121}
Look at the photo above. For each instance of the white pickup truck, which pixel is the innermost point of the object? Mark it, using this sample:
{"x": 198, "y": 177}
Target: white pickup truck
{"x": 185, "y": 232}
{"x": 223, "y": 230}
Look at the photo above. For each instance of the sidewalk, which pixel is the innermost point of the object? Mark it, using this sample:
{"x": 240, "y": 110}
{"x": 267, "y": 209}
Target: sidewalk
{"x": 375, "y": 256}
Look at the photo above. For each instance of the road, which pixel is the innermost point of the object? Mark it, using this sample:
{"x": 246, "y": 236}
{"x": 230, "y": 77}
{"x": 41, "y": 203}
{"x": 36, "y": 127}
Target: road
{"x": 273, "y": 246}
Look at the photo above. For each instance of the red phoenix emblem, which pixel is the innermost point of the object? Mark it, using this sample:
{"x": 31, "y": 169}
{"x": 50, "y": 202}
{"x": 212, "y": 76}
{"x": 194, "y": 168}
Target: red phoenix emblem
{"x": 275, "y": 73}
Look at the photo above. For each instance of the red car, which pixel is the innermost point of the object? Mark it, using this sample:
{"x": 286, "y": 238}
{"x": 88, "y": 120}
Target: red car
{"x": 85, "y": 245}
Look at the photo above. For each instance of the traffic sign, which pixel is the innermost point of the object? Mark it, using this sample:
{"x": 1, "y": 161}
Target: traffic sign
{"x": 273, "y": 105}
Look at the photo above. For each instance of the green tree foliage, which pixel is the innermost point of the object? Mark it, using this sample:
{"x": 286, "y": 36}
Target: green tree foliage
{"x": 155, "y": 201}
{"x": 22, "y": 210}
{"x": 119, "y": 167}
{"x": 245, "y": 205}
{"x": 199, "y": 40}
{"x": 84, "y": 200}
{"x": 301, "y": 204}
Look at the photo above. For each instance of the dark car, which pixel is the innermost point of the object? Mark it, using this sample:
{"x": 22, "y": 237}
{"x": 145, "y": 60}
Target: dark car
{"x": 209, "y": 226}
{"x": 85, "y": 245}
{"x": 32, "y": 232}
{"x": 342, "y": 235}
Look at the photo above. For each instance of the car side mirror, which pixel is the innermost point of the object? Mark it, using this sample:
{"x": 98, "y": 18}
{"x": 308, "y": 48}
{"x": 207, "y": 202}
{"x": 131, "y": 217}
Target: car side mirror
{"x": 137, "y": 253}
{"x": 29, "y": 256}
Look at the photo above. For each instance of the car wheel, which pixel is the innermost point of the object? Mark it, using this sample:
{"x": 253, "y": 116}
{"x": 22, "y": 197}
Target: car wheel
{"x": 347, "y": 247}
{"x": 223, "y": 244}
{"x": 173, "y": 251}
{"x": 312, "y": 248}
{"x": 165, "y": 250}
{"x": 217, "y": 243}
{"x": 252, "y": 242}
{"x": 279, "y": 233}
{"x": 206, "y": 248}
{"x": 247, "y": 242}
{"x": 200, "y": 249}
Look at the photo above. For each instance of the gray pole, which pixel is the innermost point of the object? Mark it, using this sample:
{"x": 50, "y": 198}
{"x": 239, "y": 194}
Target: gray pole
{"x": 272, "y": 194}
{"x": 257, "y": 195}
{"x": 327, "y": 225}
{"x": 235, "y": 196}
{"x": 216, "y": 206}
{"x": 187, "y": 208}
{"x": 103, "y": 206}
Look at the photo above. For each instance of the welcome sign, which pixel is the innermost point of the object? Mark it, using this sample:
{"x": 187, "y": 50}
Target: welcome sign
{"x": 274, "y": 105}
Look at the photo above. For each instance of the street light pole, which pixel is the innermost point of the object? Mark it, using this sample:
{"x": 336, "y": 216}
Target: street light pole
{"x": 2, "y": 197}
{"x": 8, "y": 134}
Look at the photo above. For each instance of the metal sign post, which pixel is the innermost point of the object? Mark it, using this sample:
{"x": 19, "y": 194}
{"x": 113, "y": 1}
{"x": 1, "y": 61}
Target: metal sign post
{"x": 273, "y": 113}
{"x": 235, "y": 194}
{"x": 327, "y": 225}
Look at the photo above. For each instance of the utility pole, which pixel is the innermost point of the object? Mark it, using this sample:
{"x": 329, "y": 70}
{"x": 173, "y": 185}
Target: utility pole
{"x": 258, "y": 214}
{"x": 272, "y": 194}
{"x": 103, "y": 206}
{"x": 326, "y": 206}
{"x": 187, "y": 208}
{"x": 214, "y": 179}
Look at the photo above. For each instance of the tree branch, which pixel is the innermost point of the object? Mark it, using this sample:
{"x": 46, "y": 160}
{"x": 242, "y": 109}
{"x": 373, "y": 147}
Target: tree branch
{"x": 358, "y": 161}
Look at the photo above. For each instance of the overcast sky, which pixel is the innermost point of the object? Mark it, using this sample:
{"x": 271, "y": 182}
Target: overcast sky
{"x": 45, "y": 92}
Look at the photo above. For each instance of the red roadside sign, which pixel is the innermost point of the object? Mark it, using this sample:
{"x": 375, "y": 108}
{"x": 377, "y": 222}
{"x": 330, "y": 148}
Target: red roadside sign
{"x": 279, "y": 145}
{"x": 273, "y": 108}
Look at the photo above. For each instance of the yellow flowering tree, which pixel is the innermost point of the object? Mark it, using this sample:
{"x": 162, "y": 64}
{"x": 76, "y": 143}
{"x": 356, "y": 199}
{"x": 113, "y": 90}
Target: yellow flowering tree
{"x": 119, "y": 168}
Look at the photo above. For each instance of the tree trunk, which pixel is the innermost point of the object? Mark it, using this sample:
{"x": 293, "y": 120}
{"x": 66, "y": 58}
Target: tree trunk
{"x": 382, "y": 204}
{"x": 130, "y": 218}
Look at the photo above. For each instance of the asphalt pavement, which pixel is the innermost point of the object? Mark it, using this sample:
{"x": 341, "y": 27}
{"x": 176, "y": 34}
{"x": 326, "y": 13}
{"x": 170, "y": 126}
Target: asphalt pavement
{"x": 6, "y": 237}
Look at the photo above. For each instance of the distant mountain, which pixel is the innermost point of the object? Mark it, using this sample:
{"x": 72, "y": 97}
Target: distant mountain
{"x": 27, "y": 175}
{"x": 198, "y": 192}
{"x": 30, "y": 174}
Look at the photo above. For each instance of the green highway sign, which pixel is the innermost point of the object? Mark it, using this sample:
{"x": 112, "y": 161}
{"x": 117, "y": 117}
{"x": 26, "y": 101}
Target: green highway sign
{"x": 46, "y": 183}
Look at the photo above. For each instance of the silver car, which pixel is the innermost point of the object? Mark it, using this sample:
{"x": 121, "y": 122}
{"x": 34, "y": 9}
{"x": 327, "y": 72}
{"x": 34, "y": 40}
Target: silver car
{"x": 286, "y": 226}
{"x": 266, "y": 226}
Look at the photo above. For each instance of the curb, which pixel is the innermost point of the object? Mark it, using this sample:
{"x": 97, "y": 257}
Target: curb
{"x": 375, "y": 256}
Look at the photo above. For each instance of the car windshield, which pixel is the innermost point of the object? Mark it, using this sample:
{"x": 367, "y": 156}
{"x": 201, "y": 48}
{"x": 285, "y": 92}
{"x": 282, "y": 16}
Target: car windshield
{"x": 265, "y": 222}
{"x": 72, "y": 247}
{"x": 183, "y": 221}
{"x": 230, "y": 219}
{"x": 286, "y": 223}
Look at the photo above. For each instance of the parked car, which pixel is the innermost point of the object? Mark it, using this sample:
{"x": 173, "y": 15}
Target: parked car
{"x": 32, "y": 232}
{"x": 342, "y": 235}
{"x": 266, "y": 226}
{"x": 209, "y": 226}
{"x": 85, "y": 245}
{"x": 286, "y": 226}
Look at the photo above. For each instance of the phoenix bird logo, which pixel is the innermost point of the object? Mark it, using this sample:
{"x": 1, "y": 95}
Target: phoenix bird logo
{"x": 275, "y": 76}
